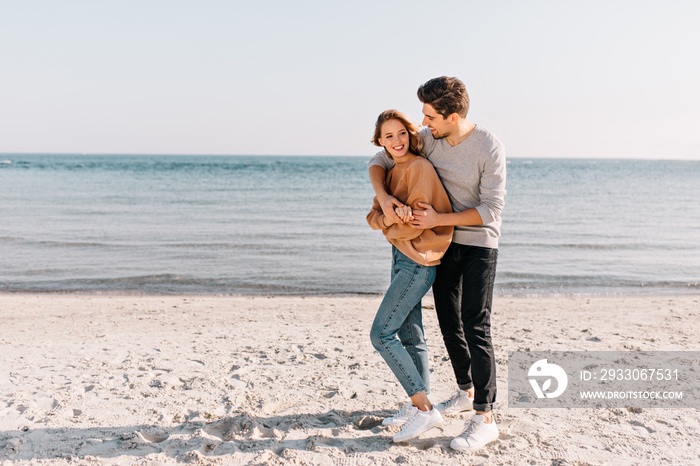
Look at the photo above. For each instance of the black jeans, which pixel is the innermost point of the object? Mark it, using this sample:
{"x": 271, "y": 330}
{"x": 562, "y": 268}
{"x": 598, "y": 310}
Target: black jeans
{"x": 463, "y": 291}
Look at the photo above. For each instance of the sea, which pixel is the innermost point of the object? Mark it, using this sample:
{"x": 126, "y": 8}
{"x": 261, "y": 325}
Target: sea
{"x": 223, "y": 225}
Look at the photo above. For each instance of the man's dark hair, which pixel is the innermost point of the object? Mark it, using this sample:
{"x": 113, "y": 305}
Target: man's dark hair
{"x": 446, "y": 96}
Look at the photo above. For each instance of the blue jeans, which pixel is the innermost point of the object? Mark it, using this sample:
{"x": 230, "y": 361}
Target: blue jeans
{"x": 397, "y": 330}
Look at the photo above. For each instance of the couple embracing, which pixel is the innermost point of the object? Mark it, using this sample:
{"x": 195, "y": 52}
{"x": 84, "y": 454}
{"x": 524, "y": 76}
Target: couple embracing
{"x": 439, "y": 195}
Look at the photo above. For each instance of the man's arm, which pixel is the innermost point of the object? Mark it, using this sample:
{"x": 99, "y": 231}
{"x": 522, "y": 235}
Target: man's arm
{"x": 377, "y": 176}
{"x": 429, "y": 218}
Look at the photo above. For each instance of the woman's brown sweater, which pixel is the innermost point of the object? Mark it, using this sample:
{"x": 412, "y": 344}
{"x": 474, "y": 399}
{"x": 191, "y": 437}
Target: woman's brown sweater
{"x": 412, "y": 180}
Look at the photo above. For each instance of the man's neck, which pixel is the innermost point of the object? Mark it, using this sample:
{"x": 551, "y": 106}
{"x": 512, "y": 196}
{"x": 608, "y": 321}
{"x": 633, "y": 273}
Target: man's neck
{"x": 462, "y": 132}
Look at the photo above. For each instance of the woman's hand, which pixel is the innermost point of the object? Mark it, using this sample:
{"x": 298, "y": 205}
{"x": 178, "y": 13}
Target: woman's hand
{"x": 404, "y": 213}
{"x": 388, "y": 203}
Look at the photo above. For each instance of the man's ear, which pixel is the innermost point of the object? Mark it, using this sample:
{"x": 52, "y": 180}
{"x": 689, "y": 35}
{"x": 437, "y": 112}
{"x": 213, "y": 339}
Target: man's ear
{"x": 454, "y": 118}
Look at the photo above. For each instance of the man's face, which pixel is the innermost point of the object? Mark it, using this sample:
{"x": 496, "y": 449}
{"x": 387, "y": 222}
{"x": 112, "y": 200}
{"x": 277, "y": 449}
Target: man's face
{"x": 440, "y": 126}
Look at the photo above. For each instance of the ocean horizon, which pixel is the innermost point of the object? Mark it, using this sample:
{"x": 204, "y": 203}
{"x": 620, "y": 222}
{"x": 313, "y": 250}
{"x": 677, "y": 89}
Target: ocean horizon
{"x": 190, "y": 224}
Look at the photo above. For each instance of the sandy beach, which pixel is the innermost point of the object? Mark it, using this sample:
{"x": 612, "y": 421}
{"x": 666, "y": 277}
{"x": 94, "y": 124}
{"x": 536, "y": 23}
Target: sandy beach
{"x": 97, "y": 379}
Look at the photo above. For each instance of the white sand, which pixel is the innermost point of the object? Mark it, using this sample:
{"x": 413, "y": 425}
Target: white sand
{"x": 292, "y": 380}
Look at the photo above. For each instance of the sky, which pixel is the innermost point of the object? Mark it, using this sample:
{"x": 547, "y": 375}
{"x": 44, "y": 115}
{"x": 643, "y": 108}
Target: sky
{"x": 551, "y": 78}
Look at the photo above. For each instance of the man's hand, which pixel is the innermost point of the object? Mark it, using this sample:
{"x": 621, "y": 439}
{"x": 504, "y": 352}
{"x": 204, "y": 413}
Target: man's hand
{"x": 388, "y": 204}
{"x": 425, "y": 219}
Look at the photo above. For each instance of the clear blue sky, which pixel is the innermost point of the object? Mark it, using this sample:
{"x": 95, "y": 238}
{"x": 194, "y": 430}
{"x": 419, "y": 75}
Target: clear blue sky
{"x": 604, "y": 79}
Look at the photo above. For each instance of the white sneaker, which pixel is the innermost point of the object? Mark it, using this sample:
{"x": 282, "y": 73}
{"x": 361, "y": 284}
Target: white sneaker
{"x": 400, "y": 417}
{"x": 475, "y": 435}
{"x": 458, "y": 402}
{"x": 417, "y": 423}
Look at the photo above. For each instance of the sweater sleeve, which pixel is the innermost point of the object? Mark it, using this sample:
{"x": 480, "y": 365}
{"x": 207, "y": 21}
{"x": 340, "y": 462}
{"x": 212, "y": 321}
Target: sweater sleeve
{"x": 375, "y": 217}
{"x": 381, "y": 159}
{"x": 402, "y": 232}
{"x": 428, "y": 141}
{"x": 492, "y": 187}
{"x": 397, "y": 231}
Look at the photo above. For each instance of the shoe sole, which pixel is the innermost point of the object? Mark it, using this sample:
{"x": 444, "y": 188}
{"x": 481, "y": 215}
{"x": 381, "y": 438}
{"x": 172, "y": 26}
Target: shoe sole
{"x": 467, "y": 448}
{"x": 427, "y": 428}
{"x": 452, "y": 412}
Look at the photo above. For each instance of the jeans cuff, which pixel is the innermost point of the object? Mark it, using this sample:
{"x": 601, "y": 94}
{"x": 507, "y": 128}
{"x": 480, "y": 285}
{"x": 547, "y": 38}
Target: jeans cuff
{"x": 465, "y": 386}
{"x": 416, "y": 392}
{"x": 485, "y": 407}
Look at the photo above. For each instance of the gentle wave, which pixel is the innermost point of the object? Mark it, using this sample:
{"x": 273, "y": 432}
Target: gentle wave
{"x": 164, "y": 284}
{"x": 172, "y": 284}
{"x": 510, "y": 282}
{"x": 596, "y": 247}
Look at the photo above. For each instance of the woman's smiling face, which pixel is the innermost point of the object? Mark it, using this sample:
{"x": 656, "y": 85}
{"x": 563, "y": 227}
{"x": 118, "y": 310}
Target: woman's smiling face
{"x": 394, "y": 138}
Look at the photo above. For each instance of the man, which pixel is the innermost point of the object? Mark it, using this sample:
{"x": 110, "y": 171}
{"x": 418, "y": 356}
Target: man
{"x": 471, "y": 164}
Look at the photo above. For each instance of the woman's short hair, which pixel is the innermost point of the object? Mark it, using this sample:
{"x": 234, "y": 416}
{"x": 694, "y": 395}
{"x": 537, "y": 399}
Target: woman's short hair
{"x": 415, "y": 143}
{"x": 446, "y": 96}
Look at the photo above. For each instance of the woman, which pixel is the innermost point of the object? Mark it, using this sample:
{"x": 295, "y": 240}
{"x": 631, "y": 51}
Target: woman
{"x": 397, "y": 331}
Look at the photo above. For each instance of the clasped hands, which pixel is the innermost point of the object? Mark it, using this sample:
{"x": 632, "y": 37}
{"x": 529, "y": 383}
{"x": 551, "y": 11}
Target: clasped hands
{"x": 404, "y": 213}
{"x": 421, "y": 219}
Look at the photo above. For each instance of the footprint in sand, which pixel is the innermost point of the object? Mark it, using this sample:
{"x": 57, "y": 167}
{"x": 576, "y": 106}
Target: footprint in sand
{"x": 144, "y": 438}
{"x": 367, "y": 422}
{"x": 154, "y": 438}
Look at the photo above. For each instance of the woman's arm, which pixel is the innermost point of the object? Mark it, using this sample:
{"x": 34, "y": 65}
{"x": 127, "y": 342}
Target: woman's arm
{"x": 376, "y": 218}
{"x": 377, "y": 176}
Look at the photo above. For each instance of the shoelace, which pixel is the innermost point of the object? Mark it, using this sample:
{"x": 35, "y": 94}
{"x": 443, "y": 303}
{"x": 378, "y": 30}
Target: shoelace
{"x": 468, "y": 429}
{"x": 453, "y": 399}
{"x": 402, "y": 412}
{"x": 409, "y": 422}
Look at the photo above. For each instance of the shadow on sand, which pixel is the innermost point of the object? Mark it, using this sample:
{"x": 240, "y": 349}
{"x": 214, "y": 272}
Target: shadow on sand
{"x": 239, "y": 432}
